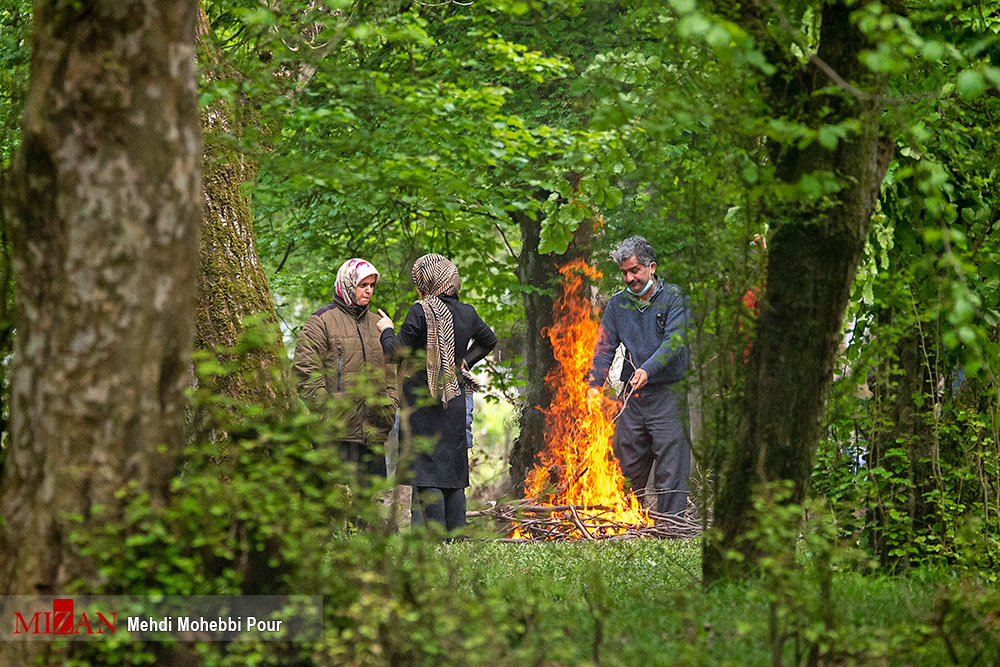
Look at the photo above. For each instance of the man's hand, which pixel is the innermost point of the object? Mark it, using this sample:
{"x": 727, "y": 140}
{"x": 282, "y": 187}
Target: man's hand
{"x": 384, "y": 323}
{"x": 639, "y": 379}
{"x": 594, "y": 396}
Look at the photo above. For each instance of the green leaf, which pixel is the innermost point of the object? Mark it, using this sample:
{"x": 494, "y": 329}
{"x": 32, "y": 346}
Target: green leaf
{"x": 555, "y": 237}
{"x": 970, "y": 83}
{"x": 693, "y": 25}
{"x": 932, "y": 50}
{"x": 613, "y": 197}
{"x": 811, "y": 186}
{"x": 683, "y": 6}
{"x": 828, "y": 137}
{"x": 878, "y": 61}
{"x": 993, "y": 74}
{"x": 718, "y": 37}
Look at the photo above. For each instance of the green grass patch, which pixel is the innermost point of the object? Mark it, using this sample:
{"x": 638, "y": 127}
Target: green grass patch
{"x": 641, "y": 602}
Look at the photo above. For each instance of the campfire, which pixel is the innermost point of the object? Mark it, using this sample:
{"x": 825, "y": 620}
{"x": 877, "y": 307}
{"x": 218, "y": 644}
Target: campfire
{"x": 576, "y": 490}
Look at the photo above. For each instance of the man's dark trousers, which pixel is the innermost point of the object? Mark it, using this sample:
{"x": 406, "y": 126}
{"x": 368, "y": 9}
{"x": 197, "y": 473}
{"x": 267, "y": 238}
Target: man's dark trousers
{"x": 652, "y": 431}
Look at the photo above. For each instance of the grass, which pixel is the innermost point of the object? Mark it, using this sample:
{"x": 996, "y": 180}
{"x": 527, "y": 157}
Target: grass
{"x": 641, "y": 603}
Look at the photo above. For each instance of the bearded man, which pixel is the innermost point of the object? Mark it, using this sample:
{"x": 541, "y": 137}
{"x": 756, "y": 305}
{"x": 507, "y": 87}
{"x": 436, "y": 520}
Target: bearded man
{"x": 650, "y": 317}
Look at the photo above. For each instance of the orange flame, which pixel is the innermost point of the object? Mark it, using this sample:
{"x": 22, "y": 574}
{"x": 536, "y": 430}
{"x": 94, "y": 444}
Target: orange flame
{"x": 577, "y": 466}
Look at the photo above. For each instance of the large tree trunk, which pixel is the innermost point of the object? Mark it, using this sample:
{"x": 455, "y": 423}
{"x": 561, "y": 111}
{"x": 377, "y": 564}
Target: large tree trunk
{"x": 539, "y": 273}
{"x": 232, "y": 285}
{"x": 812, "y": 263}
{"x": 103, "y": 206}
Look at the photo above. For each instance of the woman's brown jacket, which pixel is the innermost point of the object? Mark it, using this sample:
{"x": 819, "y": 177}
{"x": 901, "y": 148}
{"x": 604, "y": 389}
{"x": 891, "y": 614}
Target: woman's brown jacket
{"x": 342, "y": 372}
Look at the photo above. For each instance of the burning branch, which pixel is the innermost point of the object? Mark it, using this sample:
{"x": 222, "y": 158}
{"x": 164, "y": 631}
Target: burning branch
{"x": 591, "y": 522}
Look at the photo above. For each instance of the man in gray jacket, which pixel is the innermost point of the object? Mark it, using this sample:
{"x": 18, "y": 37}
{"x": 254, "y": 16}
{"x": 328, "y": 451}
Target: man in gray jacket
{"x": 650, "y": 317}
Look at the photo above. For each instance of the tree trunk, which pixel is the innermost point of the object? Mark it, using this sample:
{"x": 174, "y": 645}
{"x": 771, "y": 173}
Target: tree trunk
{"x": 884, "y": 421}
{"x": 904, "y": 443}
{"x": 232, "y": 286}
{"x": 536, "y": 272}
{"x": 539, "y": 273}
{"x": 925, "y": 456}
{"x": 103, "y": 207}
{"x": 812, "y": 263}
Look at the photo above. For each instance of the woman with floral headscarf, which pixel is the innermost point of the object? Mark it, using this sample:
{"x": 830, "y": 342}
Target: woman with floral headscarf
{"x": 445, "y": 338}
{"x": 338, "y": 352}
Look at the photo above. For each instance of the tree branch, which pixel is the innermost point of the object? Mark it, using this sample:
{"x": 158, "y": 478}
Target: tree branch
{"x": 288, "y": 251}
{"x": 801, "y": 41}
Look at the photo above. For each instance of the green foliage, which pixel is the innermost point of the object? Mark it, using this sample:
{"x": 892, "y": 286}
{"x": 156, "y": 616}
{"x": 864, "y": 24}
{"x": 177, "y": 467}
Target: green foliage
{"x": 425, "y": 130}
{"x": 620, "y": 603}
{"x": 261, "y": 511}
{"x": 387, "y": 151}
{"x": 965, "y": 618}
{"x": 828, "y": 603}
{"x": 15, "y": 36}
{"x": 257, "y": 501}
{"x": 925, "y": 306}
{"x": 494, "y": 430}
{"x": 909, "y": 458}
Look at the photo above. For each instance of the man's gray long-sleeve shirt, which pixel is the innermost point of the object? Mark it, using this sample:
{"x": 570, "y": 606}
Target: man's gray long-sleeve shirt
{"x": 653, "y": 333}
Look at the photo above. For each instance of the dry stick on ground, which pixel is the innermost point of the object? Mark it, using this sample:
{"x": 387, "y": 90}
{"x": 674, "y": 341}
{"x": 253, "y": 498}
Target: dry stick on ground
{"x": 574, "y": 522}
{"x": 579, "y": 524}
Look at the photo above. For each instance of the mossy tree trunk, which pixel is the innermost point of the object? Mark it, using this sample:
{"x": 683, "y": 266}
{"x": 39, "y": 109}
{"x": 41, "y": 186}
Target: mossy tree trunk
{"x": 103, "y": 209}
{"x": 904, "y": 444}
{"x": 813, "y": 258}
{"x": 232, "y": 286}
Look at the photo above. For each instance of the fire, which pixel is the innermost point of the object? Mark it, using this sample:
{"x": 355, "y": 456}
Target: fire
{"x": 577, "y": 466}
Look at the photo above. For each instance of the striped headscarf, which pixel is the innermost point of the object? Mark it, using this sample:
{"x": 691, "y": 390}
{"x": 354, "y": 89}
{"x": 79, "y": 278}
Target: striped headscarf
{"x": 435, "y": 275}
{"x": 352, "y": 272}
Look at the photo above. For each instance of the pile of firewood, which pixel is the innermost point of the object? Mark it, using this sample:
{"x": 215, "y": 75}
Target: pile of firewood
{"x": 583, "y": 522}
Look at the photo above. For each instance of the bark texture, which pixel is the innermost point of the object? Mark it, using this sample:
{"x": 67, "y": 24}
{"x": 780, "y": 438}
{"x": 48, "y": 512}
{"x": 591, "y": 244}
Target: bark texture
{"x": 903, "y": 442}
{"x": 232, "y": 286}
{"x": 539, "y": 274}
{"x": 103, "y": 204}
{"x": 535, "y": 272}
{"x": 812, "y": 263}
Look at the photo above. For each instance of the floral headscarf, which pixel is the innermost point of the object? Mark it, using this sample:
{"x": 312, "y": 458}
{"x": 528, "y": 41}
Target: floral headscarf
{"x": 351, "y": 273}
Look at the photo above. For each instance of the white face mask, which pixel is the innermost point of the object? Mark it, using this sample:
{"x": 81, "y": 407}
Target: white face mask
{"x": 649, "y": 283}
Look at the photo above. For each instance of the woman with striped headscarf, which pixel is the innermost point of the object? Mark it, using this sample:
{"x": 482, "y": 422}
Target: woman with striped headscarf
{"x": 342, "y": 371}
{"x": 444, "y": 337}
